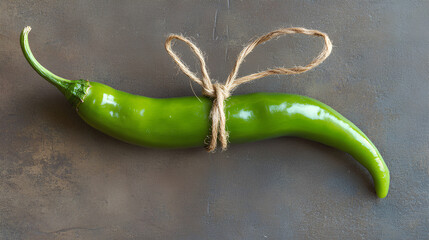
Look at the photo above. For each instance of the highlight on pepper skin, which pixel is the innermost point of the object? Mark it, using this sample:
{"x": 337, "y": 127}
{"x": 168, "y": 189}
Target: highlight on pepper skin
{"x": 185, "y": 122}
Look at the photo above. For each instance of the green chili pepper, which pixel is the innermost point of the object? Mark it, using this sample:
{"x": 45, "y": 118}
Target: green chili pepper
{"x": 184, "y": 122}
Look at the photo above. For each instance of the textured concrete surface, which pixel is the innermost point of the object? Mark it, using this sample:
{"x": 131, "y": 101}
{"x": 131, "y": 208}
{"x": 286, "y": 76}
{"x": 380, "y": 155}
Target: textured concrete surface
{"x": 60, "y": 179}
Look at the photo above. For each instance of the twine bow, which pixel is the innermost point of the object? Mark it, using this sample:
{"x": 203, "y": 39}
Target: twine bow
{"x": 220, "y": 92}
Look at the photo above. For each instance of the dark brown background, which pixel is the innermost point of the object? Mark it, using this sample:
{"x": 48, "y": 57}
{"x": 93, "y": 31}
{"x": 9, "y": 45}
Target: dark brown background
{"x": 60, "y": 179}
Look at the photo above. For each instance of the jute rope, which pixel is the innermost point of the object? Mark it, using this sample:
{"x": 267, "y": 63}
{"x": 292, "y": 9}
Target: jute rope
{"x": 220, "y": 92}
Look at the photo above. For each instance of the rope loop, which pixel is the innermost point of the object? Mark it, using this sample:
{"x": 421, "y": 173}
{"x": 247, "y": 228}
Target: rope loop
{"x": 220, "y": 92}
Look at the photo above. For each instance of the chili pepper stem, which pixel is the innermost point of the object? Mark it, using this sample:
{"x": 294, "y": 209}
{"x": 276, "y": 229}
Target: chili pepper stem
{"x": 74, "y": 90}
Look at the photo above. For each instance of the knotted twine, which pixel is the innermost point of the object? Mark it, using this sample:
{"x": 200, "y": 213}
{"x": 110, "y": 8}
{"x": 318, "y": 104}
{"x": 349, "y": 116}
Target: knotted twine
{"x": 220, "y": 92}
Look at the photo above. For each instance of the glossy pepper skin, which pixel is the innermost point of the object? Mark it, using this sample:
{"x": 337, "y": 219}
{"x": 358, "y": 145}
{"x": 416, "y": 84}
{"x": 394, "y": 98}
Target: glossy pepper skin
{"x": 184, "y": 122}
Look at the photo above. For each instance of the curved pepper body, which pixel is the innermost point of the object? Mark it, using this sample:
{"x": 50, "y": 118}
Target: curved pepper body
{"x": 184, "y": 122}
